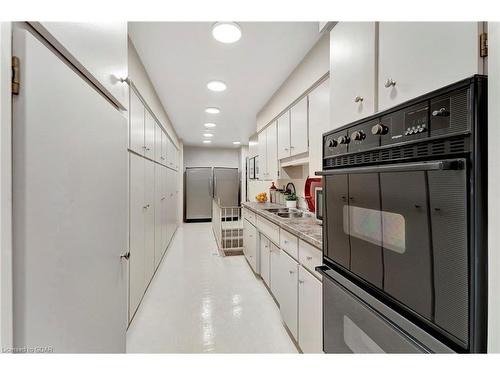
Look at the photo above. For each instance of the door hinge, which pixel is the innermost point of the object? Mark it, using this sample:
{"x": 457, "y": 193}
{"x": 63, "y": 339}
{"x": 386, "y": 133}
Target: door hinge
{"x": 15, "y": 75}
{"x": 483, "y": 45}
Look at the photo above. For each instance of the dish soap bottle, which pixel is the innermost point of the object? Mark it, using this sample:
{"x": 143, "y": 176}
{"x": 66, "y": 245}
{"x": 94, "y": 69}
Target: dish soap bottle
{"x": 272, "y": 193}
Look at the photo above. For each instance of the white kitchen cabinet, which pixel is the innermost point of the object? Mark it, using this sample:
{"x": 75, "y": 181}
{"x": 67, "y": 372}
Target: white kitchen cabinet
{"x": 299, "y": 142}
{"x": 149, "y": 220}
{"x": 352, "y": 72}
{"x": 159, "y": 221}
{"x": 136, "y": 124}
{"x": 272, "y": 152}
{"x": 283, "y": 125}
{"x": 250, "y": 244}
{"x": 265, "y": 259}
{"x": 275, "y": 272}
{"x": 158, "y": 144}
{"x": 100, "y": 49}
{"x": 269, "y": 229}
{"x": 289, "y": 243}
{"x": 288, "y": 284}
{"x": 310, "y": 257}
{"x": 137, "y": 235}
{"x": 163, "y": 151}
{"x": 310, "y": 320}
{"x": 319, "y": 123}
{"x": 149, "y": 135}
{"x": 262, "y": 172}
{"x": 165, "y": 208}
{"x": 418, "y": 57}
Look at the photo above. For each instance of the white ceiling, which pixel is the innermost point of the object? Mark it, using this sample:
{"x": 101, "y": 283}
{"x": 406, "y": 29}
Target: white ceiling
{"x": 181, "y": 57}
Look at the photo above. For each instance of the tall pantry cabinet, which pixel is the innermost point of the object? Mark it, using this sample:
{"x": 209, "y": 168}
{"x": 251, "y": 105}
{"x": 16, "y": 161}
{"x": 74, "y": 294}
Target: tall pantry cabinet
{"x": 153, "y": 196}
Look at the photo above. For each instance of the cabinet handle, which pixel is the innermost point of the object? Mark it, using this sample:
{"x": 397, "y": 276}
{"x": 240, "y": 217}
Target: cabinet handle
{"x": 285, "y": 241}
{"x": 292, "y": 147}
{"x": 291, "y": 272}
{"x": 301, "y": 281}
{"x": 358, "y": 99}
{"x": 309, "y": 258}
{"x": 125, "y": 256}
{"x": 390, "y": 82}
{"x": 146, "y": 207}
{"x": 162, "y": 198}
{"x": 285, "y": 149}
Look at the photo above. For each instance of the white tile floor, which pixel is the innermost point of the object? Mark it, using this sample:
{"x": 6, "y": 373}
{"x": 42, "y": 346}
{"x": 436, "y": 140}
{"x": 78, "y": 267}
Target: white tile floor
{"x": 200, "y": 302}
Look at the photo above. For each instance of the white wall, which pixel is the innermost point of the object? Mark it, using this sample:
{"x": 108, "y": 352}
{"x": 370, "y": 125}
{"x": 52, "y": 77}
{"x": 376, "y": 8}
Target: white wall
{"x": 493, "y": 187}
{"x": 314, "y": 65}
{"x": 5, "y": 188}
{"x": 243, "y": 157}
{"x": 195, "y": 156}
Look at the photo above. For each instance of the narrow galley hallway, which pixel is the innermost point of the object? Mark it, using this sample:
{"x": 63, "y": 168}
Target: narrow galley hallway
{"x": 200, "y": 302}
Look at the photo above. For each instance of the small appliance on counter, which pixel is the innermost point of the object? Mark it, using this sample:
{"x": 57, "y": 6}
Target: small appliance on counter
{"x": 309, "y": 190}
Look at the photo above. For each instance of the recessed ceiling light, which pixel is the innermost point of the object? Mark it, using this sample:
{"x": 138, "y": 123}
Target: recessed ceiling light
{"x": 236, "y": 143}
{"x": 212, "y": 110}
{"x": 210, "y": 125}
{"x": 216, "y": 86}
{"x": 226, "y": 32}
{"x": 208, "y": 135}
{"x": 207, "y": 141}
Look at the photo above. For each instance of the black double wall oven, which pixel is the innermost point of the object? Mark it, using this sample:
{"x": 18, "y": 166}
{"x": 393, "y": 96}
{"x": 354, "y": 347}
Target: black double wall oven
{"x": 404, "y": 223}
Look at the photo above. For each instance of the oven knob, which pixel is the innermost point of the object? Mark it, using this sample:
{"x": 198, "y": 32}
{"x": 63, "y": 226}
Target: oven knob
{"x": 343, "y": 140}
{"x": 379, "y": 129}
{"x": 332, "y": 143}
{"x": 358, "y": 136}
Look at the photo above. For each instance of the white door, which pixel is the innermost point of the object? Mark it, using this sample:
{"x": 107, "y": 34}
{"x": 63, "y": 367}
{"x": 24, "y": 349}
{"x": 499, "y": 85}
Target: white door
{"x": 262, "y": 158}
{"x": 275, "y": 271}
{"x": 149, "y": 220}
{"x": 283, "y": 124}
{"x": 159, "y": 240}
{"x": 352, "y": 72}
{"x": 163, "y": 157}
{"x": 310, "y": 312}
{"x": 158, "y": 143}
{"x": 70, "y": 209}
{"x": 272, "y": 152}
{"x": 164, "y": 207}
{"x": 418, "y": 57}
{"x": 298, "y": 127}
{"x": 137, "y": 234}
{"x": 319, "y": 123}
{"x": 170, "y": 200}
{"x": 288, "y": 292}
{"x": 265, "y": 256}
{"x": 136, "y": 119}
{"x": 149, "y": 135}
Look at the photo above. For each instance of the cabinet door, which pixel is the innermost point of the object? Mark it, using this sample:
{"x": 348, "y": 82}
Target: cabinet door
{"x": 158, "y": 215}
{"x": 163, "y": 154}
{"x": 149, "y": 221}
{"x": 298, "y": 127}
{"x": 265, "y": 257}
{"x": 352, "y": 68}
{"x": 171, "y": 202}
{"x": 137, "y": 239}
{"x": 157, "y": 148}
{"x": 423, "y": 56}
{"x": 272, "y": 152}
{"x": 275, "y": 271}
{"x": 262, "y": 175}
{"x": 319, "y": 123}
{"x": 288, "y": 292}
{"x": 136, "y": 132}
{"x": 165, "y": 208}
{"x": 310, "y": 313}
{"x": 149, "y": 135}
{"x": 283, "y": 124}
{"x": 250, "y": 245}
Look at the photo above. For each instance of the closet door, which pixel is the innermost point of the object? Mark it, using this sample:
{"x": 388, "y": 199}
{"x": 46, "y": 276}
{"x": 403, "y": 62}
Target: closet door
{"x": 136, "y": 119}
{"x": 159, "y": 241}
{"x": 149, "y": 220}
{"x": 158, "y": 143}
{"x": 137, "y": 238}
{"x": 149, "y": 135}
{"x": 164, "y": 208}
{"x": 163, "y": 156}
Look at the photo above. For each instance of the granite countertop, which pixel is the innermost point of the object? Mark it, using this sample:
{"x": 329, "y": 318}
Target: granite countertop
{"x": 306, "y": 227}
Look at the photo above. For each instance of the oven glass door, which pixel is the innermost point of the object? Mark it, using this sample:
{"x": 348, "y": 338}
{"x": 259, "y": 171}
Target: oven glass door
{"x": 402, "y": 228}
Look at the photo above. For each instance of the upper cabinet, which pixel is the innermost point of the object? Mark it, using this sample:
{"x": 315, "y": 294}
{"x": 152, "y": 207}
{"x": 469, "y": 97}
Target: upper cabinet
{"x": 136, "y": 119}
{"x": 418, "y": 57}
{"x": 352, "y": 72}
{"x": 283, "y": 124}
{"x": 268, "y": 153}
{"x": 299, "y": 141}
{"x": 319, "y": 123}
{"x": 98, "y": 49}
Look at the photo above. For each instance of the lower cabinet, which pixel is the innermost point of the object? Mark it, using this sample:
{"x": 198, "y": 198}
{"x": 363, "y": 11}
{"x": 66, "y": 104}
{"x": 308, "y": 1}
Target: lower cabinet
{"x": 265, "y": 259}
{"x": 250, "y": 244}
{"x": 275, "y": 272}
{"x": 310, "y": 312}
{"x": 287, "y": 284}
{"x": 149, "y": 221}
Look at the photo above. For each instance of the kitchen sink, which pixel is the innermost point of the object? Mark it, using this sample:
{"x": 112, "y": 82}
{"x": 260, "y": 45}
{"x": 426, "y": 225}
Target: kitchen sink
{"x": 289, "y": 215}
{"x": 277, "y": 210}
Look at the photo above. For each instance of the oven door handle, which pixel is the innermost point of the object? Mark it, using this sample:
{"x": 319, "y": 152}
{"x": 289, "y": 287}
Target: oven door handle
{"x": 456, "y": 164}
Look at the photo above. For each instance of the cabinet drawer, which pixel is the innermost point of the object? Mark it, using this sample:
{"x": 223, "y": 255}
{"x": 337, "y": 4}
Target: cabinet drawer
{"x": 351, "y": 326}
{"x": 310, "y": 257}
{"x": 269, "y": 229}
{"x": 289, "y": 243}
{"x": 249, "y": 215}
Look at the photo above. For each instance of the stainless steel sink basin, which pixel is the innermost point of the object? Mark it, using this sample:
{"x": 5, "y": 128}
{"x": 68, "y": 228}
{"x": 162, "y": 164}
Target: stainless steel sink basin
{"x": 289, "y": 215}
{"x": 276, "y": 210}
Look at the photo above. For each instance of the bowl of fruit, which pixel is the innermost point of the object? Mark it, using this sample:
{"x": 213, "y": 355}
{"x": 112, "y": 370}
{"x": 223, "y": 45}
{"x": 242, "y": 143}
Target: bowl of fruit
{"x": 261, "y": 197}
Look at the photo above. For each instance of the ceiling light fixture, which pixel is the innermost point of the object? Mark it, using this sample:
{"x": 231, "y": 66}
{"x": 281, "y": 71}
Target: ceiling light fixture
{"x": 208, "y": 135}
{"x": 226, "y": 32}
{"x": 216, "y": 86}
{"x": 212, "y": 110}
{"x": 210, "y": 125}
{"x": 236, "y": 143}
{"x": 207, "y": 141}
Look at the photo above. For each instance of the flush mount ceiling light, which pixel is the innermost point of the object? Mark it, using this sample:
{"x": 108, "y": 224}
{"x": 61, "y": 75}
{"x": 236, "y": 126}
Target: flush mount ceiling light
{"x": 212, "y": 110}
{"x": 226, "y": 32}
{"x": 207, "y": 141}
{"x": 216, "y": 86}
{"x": 236, "y": 143}
{"x": 208, "y": 135}
{"x": 210, "y": 125}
